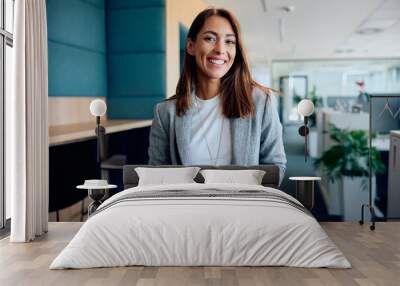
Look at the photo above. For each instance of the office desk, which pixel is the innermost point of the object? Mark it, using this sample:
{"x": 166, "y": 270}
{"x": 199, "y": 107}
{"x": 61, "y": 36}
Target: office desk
{"x": 70, "y": 133}
{"x": 72, "y": 155}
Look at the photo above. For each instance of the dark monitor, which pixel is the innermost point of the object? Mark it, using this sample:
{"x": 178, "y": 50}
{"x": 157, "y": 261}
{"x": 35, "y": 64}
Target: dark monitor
{"x": 383, "y": 121}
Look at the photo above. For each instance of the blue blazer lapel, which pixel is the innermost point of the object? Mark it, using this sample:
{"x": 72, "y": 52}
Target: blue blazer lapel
{"x": 182, "y": 131}
{"x": 241, "y": 131}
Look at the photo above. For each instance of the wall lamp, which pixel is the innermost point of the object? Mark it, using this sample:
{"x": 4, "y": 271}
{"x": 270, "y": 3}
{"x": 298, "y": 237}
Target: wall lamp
{"x": 305, "y": 108}
{"x": 98, "y": 108}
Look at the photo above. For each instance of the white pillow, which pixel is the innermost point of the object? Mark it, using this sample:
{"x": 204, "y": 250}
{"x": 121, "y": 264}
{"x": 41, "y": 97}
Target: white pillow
{"x": 163, "y": 176}
{"x": 249, "y": 177}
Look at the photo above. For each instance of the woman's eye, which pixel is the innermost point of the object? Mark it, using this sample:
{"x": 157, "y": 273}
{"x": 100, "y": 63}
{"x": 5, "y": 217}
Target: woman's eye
{"x": 231, "y": 42}
{"x": 210, "y": 39}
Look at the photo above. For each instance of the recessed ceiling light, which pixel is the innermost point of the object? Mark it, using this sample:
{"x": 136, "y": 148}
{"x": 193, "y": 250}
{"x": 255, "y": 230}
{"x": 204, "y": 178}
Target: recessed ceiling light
{"x": 369, "y": 31}
{"x": 344, "y": 51}
{"x": 287, "y": 9}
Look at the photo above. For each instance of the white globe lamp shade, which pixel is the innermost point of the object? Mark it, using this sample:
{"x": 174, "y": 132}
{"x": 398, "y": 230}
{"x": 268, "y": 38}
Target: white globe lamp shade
{"x": 98, "y": 107}
{"x": 305, "y": 107}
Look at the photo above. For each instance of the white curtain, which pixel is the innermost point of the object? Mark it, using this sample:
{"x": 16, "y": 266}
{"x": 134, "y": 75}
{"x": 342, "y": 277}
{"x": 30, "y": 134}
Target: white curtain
{"x": 26, "y": 121}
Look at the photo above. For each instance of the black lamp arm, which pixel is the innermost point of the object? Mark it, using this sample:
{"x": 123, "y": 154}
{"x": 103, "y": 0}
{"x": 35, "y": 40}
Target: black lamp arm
{"x": 100, "y": 132}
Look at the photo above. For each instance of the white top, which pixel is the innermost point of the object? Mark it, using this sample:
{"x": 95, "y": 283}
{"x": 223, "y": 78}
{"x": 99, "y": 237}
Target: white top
{"x": 210, "y": 134}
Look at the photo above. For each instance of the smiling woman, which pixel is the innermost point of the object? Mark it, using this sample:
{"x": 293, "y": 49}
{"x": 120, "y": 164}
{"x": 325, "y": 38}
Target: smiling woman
{"x": 219, "y": 114}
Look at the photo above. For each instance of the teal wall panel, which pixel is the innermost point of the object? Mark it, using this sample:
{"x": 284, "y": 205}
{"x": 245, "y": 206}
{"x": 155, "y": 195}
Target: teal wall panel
{"x": 136, "y": 30}
{"x": 136, "y": 57}
{"x": 97, "y": 3}
{"x": 76, "y": 72}
{"x": 183, "y": 31}
{"x": 134, "y": 108}
{"x": 109, "y": 48}
{"x": 77, "y": 48}
{"x": 136, "y": 74}
{"x": 127, "y": 4}
{"x": 77, "y": 23}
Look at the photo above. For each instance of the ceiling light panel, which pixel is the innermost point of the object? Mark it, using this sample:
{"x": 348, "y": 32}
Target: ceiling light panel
{"x": 379, "y": 24}
{"x": 391, "y": 4}
{"x": 387, "y": 14}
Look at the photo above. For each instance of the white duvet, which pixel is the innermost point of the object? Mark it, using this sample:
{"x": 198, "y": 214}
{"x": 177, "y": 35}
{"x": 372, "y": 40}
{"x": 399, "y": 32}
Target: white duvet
{"x": 200, "y": 231}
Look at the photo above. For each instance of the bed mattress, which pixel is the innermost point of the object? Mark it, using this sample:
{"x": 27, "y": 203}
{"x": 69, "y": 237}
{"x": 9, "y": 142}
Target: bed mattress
{"x": 201, "y": 225}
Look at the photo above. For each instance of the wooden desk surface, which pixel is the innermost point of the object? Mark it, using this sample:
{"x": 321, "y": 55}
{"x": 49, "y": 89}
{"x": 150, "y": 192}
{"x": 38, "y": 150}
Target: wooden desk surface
{"x": 69, "y": 133}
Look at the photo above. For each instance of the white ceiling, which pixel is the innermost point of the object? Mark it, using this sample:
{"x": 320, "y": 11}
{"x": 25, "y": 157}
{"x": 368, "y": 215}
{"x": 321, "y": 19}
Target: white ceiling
{"x": 317, "y": 29}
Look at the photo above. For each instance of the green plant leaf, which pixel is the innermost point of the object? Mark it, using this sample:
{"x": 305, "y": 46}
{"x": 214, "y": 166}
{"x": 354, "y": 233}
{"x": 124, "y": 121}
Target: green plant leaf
{"x": 349, "y": 156}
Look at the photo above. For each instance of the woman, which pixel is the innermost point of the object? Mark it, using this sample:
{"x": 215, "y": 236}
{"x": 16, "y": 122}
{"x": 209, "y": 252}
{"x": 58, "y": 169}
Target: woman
{"x": 219, "y": 115}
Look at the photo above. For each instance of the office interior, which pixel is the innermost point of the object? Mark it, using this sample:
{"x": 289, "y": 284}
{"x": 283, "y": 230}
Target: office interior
{"x": 342, "y": 55}
{"x": 129, "y": 53}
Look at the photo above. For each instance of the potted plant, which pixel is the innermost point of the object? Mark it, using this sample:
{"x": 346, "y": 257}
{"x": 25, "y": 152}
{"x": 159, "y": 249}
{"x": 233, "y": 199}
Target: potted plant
{"x": 346, "y": 162}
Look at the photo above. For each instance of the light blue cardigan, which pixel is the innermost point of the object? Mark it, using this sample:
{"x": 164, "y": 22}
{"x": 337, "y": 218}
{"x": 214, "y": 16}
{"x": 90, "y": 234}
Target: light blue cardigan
{"x": 256, "y": 140}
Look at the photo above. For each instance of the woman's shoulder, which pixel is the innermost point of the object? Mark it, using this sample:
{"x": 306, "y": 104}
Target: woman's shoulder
{"x": 165, "y": 110}
{"x": 265, "y": 102}
{"x": 260, "y": 95}
{"x": 166, "y": 105}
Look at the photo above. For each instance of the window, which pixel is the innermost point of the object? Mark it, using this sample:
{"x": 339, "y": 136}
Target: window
{"x": 6, "y": 44}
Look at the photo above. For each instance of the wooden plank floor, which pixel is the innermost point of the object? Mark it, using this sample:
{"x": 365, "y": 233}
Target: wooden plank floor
{"x": 374, "y": 255}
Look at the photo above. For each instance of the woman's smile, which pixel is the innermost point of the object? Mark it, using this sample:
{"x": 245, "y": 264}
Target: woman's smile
{"x": 216, "y": 62}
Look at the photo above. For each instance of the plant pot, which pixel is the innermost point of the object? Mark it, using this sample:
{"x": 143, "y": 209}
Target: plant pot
{"x": 331, "y": 194}
{"x": 353, "y": 196}
{"x": 345, "y": 197}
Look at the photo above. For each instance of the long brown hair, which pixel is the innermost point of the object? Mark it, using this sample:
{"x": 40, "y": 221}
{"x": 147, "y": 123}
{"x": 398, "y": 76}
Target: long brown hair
{"x": 236, "y": 84}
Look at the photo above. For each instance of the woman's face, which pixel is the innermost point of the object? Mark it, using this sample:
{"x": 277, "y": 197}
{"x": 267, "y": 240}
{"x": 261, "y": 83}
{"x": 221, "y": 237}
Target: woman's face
{"x": 214, "y": 48}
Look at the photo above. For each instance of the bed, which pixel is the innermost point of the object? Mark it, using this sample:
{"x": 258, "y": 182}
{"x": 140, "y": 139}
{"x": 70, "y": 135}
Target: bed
{"x": 198, "y": 224}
